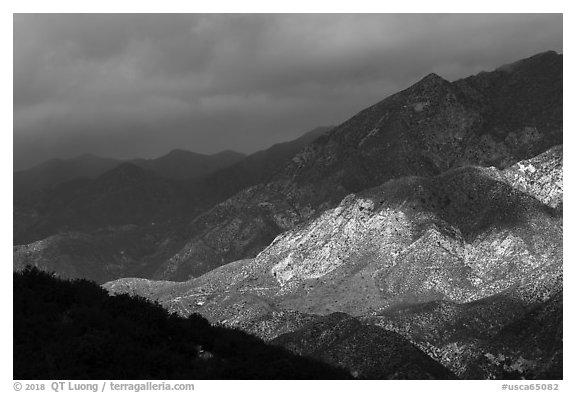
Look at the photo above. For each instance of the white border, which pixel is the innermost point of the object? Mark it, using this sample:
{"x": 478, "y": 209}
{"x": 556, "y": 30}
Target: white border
{"x": 299, "y": 6}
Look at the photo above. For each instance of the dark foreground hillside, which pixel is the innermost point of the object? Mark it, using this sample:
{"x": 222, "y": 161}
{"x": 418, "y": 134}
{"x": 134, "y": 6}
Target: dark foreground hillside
{"x": 75, "y": 330}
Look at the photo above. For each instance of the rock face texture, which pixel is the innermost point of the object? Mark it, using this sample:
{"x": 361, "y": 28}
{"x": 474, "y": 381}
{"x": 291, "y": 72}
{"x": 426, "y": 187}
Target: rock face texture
{"x": 454, "y": 263}
{"x": 491, "y": 119}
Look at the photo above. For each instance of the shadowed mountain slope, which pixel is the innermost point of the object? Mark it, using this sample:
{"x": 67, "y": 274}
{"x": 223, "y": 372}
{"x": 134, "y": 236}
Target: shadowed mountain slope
{"x": 185, "y": 165}
{"x": 368, "y": 351}
{"x": 76, "y": 194}
{"x": 488, "y": 119}
{"x": 124, "y": 195}
{"x": 129, "y": 219}
{"x": 256, "y": 168}
{"x": 53, "y": 172}
{"x": 178, "y": 164}
{"x": 74, "y": 330}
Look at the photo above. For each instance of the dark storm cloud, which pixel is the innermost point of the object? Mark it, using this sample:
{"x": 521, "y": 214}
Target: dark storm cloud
{"x": 140, "y": 85}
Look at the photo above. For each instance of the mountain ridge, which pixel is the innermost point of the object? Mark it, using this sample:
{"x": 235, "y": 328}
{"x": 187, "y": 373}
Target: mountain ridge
{"x": 423, "y": 130}
{"x": 129, "y": 202}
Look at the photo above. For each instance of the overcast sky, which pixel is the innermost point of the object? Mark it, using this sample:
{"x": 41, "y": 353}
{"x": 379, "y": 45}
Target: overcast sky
{"x": 130, "y": 86}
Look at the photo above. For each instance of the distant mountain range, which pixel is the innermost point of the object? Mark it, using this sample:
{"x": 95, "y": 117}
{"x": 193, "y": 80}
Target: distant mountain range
{"x": 433, "y": 217}
{"x": 133, "y": 204}
{"x": 177, "y": 164}
{"x": 53, "y": 172}
{"x": 185, "y": 165}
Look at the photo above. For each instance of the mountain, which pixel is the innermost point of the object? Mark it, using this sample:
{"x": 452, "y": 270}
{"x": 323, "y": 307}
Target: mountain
{"x": 369, "y": 351}
{"x": 540, "y": 177}
{"x": 74, "y": 330}
{"x": 41, "y": 193}
{"x": 256, "y": 168}
{"x": 424, "y": 130}
{"x": 58, "y": 171}
{"x": 421, "y": 238}
{"x": 128, "y": 220}
{"x": 492, "y": 119}
{"x": 124, "y": 195}
{"x": 184, "y": 165}
{"x": 101, "y": 256}
{"x": 178, "y": 164}
{"x": 456, "y": 263}
{"x": 528, "y": 348}
{"x": 104, "y": 228}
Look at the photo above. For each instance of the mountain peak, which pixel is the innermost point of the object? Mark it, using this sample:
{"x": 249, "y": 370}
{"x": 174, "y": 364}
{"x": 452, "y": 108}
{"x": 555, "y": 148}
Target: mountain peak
{"x": 432, "y": 76}
{"x": 430, "y": 84}
{"x": 431, "y": 79}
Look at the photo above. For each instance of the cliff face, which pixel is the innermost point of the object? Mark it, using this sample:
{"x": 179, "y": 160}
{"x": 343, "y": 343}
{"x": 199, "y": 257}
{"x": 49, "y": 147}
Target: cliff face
{"x": 449, "y": 262}
{"x": 492, "y": 119}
